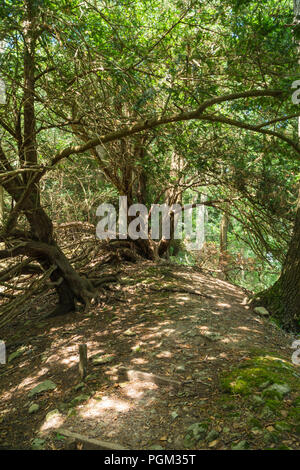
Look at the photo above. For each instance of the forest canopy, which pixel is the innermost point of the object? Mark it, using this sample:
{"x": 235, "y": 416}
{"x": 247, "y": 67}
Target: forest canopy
{"x": 185, "y": 102}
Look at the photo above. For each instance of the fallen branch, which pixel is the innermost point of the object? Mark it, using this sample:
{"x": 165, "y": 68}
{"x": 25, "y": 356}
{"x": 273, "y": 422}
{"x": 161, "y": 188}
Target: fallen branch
{"x": 81, "y": 442}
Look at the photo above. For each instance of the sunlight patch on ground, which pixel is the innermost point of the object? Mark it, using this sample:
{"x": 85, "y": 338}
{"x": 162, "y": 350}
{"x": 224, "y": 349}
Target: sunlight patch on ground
{"x": 96, "y": 408}
{"x": 5, "y": 396}
{"x": 169, "y": 331}
{"x": 54, "y": 422}
{"x": 28, "y": 381}
{"x": 232, "y": 339}
{"x": 223, "y": 305}
{"x": 139, "y": 360}
{"x": 137, "y": 389}
{"x": 64, "y": 355}
{"x": 70, "y": 361}
{"x": 217, "y": 313}
{"x": 245, "y": 328}
{"x": 164, "y": 354}
{"x": 182, "y": 297}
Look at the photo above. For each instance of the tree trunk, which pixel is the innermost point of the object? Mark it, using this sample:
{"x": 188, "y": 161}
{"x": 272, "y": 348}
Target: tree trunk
{"x": 283, "y": 298}
{"x": 223, "y": 258}
{"x": 1, "y": 205}
{"x": 39, "y": 243}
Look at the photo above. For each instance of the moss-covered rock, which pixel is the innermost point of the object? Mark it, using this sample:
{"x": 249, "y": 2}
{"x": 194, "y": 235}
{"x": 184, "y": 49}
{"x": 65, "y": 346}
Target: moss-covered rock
{"x": 272, "y": 375}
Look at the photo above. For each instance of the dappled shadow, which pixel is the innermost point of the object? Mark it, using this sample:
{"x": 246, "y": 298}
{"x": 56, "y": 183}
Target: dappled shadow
{"x": 163, "y": 351}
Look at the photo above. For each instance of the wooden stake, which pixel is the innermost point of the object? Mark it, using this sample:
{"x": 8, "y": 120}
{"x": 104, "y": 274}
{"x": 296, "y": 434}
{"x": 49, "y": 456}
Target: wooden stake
{"x": 83, "y": 360}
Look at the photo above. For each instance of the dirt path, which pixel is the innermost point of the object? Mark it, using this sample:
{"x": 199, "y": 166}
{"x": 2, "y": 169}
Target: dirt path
{"x": 187, "y": 330}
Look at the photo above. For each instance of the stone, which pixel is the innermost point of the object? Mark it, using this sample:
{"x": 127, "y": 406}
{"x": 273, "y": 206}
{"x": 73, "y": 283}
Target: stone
{"x": 79, "y": 399}
{"x": 212, "y": 435}
{"x": 16, "y": 354}
{"x": 52, "y": 414}
{"x": 213, "y": 443}
{"x": 38, "y": 444}
{"x": 242, "y": 445}
{"x": 197, "y": 431}
{"x": 257, "y": 399}
{"x": 129, "y": 332}
{"x": 102, "y": 359}
{"x": 33, "y": 408}
{"x": 281, "y": 389}
{"x": 79, "y": 386}
{"x": 261, "y": 311}
{"x": 42, "y": 387}
{"x": 282, "y": 426}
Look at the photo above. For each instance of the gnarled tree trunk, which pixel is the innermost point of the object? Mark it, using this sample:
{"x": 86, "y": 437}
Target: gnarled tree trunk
{"x": 283, "y": 298}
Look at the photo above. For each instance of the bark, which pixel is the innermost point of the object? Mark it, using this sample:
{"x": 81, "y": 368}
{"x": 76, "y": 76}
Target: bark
{"x": 39, "y": 242}
{"x": 283, "y": 298}
{"x": 223, "y": 258}
{"x": 1, "y": 205}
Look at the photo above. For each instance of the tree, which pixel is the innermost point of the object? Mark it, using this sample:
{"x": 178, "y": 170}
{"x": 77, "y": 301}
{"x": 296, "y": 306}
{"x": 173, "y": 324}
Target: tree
{"x": 283, "y": 298}
{"x": 54, "y": 76}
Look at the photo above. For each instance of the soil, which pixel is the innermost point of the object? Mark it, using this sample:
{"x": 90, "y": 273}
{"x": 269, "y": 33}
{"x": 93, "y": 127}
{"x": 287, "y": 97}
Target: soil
{"x": 174, "y": 322}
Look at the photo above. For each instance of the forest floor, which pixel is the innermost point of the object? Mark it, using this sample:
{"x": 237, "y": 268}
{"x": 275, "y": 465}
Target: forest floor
{"x": 221, "y": 376}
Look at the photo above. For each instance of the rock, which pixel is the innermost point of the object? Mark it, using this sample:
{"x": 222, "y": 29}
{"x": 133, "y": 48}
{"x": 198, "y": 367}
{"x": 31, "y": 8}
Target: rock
{"x": 99, "y": 359}
{"x": 16, "y": 354}
{"x": 42, "y": 387}
{"x": 266, "y": 412}
{"x": 264, "y": 385}
{"x": 256, "y": 431}
{"x": 212, "y": 435}
{"x": 282, "y": 426}
{"x": 33, "y": 408}
{"x": 129, "y": 332}
{"x": 52, "y": 414}
{"x": 79, "y": 399}
{"x": 38, "y": 444}
{"x": 242, "y": 445}
{"x": 213, "y": 443}
{"x": 262, "y": 311}
{"x": 257, "y": 399}
{"x": 280, "y": 389}
{"x": 79, "y": 386}
{"x": 196, "y": 431}
{"x": 91, "y": 377}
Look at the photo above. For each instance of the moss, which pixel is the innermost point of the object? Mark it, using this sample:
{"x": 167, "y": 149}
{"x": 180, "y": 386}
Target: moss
{"x": 283, "y": 447}
{"x": 274, "y": 405}
{"x": 257, "y": 374}
{"x": 272, "y": 437}
{"x": 297, "y": 429}
{"x": 255, "y": 423}
{"x": 294, "y": 413}
{"x": 283, "y": 426}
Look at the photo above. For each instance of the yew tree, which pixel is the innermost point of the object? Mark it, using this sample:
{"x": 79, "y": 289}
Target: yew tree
{"x": 76, "y": 84}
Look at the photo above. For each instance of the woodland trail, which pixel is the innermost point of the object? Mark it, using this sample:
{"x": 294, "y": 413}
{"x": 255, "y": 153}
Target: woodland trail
{"x": 164, "y": 352}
